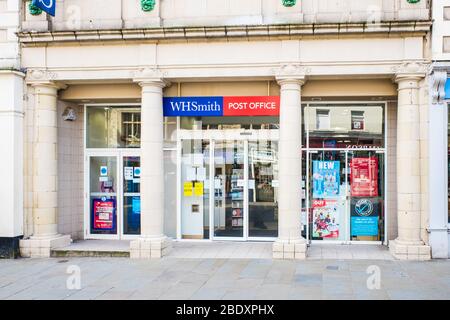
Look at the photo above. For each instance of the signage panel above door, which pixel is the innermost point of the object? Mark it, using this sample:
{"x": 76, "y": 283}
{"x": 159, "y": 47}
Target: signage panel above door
{"x": 221, "y": 106}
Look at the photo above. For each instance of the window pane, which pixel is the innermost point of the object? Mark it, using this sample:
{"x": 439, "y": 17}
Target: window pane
{"x": 113, "y": 127}
{"x": 345, "y": 126}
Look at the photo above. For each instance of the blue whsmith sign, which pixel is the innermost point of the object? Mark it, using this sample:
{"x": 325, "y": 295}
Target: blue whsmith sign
{"x": 48, "y": 6}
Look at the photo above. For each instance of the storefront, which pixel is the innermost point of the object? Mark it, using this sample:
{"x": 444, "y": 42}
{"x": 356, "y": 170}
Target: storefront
{"x": 228, "y": 168}
{"x": 112, "y": 167}
{"x": 344, "y": 172}
{"x": 223, "y": 164}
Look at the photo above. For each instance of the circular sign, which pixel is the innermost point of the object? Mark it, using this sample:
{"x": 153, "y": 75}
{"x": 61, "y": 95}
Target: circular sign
{"x": 364, "y": 207}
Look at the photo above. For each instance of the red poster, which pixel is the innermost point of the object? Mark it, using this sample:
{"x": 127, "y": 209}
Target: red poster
{"x": 103, "y": 214}
{"x": 325, "y": 219}
{"x": 364, "y": 177}
{"x": 251, "y": 106}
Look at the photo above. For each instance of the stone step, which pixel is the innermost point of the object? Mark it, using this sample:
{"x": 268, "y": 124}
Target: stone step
{"x": 60, "y": 253}
{"x": 94, "y": 248}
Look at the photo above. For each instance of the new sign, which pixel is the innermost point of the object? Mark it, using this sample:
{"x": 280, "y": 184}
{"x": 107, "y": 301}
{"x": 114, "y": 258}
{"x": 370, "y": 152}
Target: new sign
{"x": 48, "y": 6}
{"x": 221, "y": 106}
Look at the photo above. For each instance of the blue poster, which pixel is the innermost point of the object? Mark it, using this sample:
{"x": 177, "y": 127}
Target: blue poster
{"x": 326, "y": 179}
{"x": 136, "y": 205}
{"x": 364, "y": 217}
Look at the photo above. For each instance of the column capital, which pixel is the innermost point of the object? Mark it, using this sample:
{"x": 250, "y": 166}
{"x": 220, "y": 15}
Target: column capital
{"x": 410, "y": 71}
{"x": 291, "y": 73}
{"x": 43, "y": 78}
{"x": 150, "y": 77}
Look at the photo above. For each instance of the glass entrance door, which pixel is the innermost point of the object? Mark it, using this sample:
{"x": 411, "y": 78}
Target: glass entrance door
{"x": 103, "y": 196}
{"x": 327, "y": 196}
{"x": 263, "y": 189}
{"x": 346, "y": 195}
{"x": 230, "y": 189}
{"x": 113, "y": 203}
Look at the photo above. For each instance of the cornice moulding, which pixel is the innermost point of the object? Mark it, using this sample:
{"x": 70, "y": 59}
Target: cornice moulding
{"x": 229, "y": 32}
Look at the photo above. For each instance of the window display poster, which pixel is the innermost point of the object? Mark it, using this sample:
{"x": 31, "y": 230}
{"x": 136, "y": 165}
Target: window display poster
{"x": 136, "y": 205}
{"x": 128, "y": 173}
{"x": 365, "y": 214}
{"x": 103, "y": 212}
{"x": 364, "y": 177}
{"x": 187, "y": 188}
{"x": 326, "y": 179}
{"x": 325, "y": 219}
{"x": 198, "y": 189}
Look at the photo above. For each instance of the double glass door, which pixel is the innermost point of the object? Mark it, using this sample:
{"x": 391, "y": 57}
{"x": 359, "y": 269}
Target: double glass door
{"x": 229, "y": 189}
{"x": 345, "y": 195}
{"x": 113, "y": 199}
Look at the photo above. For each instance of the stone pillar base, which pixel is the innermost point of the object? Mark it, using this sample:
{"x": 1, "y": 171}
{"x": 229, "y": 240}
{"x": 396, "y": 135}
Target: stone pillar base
{"x": 41, "y": 247}
{"x": 150, "y": 248}
{"x": 285, "y": 249}
{"x": 404, "y": 251}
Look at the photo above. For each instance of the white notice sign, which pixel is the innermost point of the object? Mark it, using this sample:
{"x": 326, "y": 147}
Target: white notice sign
{"x": 128, "y": 173}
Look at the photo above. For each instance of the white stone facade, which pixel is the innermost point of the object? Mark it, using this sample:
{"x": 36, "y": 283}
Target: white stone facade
{"x": 11, "y": 129}
{"x": 113, "y": 52}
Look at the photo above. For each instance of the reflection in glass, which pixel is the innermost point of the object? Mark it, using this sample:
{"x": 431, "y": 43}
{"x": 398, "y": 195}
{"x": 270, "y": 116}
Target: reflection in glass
{"x": 131, "y": 195}
{"x": 195, "y": 189}
{"x": 113, "y": 127}
{"x": 263, "y": 188}
{"x": 229, "y": 186}
{"x": 225, "y": 123}
{"x": 344, "y": 126}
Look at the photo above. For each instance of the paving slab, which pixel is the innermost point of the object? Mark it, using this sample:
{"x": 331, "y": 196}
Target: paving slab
{"x": 232, "y": 278}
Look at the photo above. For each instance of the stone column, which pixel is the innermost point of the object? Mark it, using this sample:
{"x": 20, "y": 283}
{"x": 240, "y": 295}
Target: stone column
{"x": 409, "y": 244}
{"x": 290, "y": 244}
{"x": 152, "y": 243}
{"x": 45, "y": 169}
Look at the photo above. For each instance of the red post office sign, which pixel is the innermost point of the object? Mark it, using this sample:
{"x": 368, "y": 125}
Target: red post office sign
{"x": 251, "y": 106}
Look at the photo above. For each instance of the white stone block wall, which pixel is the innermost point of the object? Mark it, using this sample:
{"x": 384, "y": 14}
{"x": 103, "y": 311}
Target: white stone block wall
{"x": 9, "y": 25}
{"x": 70, "y": 173}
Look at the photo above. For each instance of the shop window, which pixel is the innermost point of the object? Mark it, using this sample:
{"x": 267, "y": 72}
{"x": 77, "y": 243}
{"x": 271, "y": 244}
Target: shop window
{"x": 323, "y": 119}
{"x": 344, "y": 125}
{"x": 131, "y": 129}
{"x": 357, "y": 120}
{"x": 113, "y": 127}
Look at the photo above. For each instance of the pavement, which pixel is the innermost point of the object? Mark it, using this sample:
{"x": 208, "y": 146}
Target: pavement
{"x": 173, "y": 278}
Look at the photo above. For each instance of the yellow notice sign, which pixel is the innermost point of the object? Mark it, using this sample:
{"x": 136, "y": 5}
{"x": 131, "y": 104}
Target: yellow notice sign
{"x": 188, "y": 189}
{"x": 198, "y": 189}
